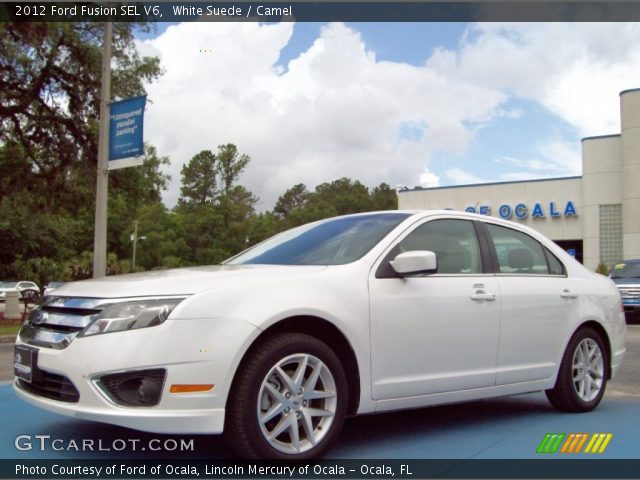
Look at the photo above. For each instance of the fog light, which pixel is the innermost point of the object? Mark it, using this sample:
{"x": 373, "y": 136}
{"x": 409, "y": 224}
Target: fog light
{"x": 142, "y": 388}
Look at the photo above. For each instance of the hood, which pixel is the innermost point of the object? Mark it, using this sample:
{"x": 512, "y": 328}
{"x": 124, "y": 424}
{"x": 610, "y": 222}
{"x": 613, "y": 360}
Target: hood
{"x": 181, "y": 281}
{"x": 626, "y": 281}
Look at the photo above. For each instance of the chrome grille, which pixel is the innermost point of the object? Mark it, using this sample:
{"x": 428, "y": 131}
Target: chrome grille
{"x": 56, "y": 322}
{"x": 629, "y": 292}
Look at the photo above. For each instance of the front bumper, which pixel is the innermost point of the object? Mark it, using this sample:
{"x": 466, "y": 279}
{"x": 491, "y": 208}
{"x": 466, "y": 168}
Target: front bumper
{"x": 200, "y": 351}
{"x": 155, "y": 421}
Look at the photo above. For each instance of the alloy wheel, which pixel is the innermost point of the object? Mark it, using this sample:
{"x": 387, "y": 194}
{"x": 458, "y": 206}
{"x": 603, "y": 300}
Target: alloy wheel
{"x": 588, "y": 369}
{"x": 297, "y": 403}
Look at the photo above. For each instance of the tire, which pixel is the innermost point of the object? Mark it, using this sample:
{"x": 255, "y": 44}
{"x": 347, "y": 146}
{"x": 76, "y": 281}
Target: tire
{"x": 582, "y": 377}
{"x": 291, "y": 385}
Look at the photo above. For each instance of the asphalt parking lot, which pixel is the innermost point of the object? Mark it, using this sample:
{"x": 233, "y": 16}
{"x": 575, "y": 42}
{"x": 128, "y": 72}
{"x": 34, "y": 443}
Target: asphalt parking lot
{"x": 504, "y": 428}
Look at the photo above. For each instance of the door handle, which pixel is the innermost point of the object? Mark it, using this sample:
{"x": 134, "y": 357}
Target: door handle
{"x": 568, "y": 294}
{"x": 490, "y": 297}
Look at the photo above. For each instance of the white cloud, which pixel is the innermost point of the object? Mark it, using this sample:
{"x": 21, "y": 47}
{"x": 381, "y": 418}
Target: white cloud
{"x": 336, "y": 111}
{"x": 555, "y": 159}
{"x": 429, "y": 179}
{"x": 462, "y": 177}
{"x": 575, "y": 70}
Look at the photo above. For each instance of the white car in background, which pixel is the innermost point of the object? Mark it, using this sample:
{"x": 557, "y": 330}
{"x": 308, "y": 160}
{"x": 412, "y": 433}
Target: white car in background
{"x": 25, "y": 288}
{"x": 351, "y": 315}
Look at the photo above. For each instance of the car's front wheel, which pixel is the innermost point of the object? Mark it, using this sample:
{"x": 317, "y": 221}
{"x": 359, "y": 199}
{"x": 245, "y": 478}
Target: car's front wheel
{"x": 582, "y": 378}
{"x": 289, "y": 399}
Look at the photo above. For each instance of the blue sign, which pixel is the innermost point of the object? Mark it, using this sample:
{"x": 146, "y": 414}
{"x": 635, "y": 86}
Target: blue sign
{"x": 571, "y": 251}
{"x": 521, "y": 211}
{"x": 125, "y": 128}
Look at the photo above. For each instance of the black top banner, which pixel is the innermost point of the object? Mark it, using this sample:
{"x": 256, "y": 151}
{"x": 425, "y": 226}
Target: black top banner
{"x": 305, "y": 11}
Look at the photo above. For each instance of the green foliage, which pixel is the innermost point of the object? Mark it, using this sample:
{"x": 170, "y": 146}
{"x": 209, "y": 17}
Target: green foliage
{"x": 199, "y": 183}
{"x": 49, "y": 108}
{"x": 49, "y": 102}
{"x": 296, "y": 198}
{"x": 602, "y": 269}
{"x": 383, "y": 197}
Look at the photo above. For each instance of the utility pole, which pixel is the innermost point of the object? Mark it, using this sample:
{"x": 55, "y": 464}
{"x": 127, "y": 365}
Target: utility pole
{"x": 102, "y": 182}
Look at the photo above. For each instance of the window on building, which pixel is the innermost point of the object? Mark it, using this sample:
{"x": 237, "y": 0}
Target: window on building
{"x": 610, "y": 234}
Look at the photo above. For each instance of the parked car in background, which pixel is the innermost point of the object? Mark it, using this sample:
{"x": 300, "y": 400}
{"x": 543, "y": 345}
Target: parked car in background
{"x": 51, "y": 286}
{"x": 26, "y": 289}
{"x": 626, "y": 275}
{"x": 351, "y": 315}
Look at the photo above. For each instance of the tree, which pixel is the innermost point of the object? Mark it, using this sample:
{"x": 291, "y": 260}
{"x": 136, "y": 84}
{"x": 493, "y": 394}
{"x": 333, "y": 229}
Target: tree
{"x": 383, "y": 197}
{"x": 345, "y": 195}
{"x": 49, "y": 103}
{"x": 49, "y": 95}
{"x": 296, "y": 197}
{"x": 199, "y": 182}
{"x": 230, "y": 165}
{"x": 213, "y": 210}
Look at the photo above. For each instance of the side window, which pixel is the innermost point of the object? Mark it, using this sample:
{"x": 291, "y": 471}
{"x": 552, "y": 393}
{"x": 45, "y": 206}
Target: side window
{"x": 518, "y": 252}
{"x": 453, "y": 241}
{"x": 555, "y": 266}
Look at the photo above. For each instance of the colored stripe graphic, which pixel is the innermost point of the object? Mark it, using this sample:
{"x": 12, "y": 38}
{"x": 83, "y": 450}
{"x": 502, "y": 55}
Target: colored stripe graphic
{"x": 598, "y": 443}
{"x": 574, "y": 443}
{"x": 551, "y": 442}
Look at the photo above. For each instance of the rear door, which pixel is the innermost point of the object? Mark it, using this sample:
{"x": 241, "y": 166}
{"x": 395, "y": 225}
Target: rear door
{"x": 538, "y": 301}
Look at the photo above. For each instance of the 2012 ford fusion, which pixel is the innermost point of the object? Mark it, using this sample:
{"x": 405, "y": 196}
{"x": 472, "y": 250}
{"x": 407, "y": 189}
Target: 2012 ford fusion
{"x": 351, "y": 315}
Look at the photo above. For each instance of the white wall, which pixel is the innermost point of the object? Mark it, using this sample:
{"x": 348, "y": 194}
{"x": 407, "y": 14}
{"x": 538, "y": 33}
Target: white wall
{"x": 601, "y": 185}
{"x": 559, "y": 191}
{"x": 630, "y": 121}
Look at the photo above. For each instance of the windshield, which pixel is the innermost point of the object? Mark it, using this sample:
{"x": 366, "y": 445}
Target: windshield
{"x": 330, "y": 242}
{"x": 8, "y": 284}
{"x": 626, "y": 270}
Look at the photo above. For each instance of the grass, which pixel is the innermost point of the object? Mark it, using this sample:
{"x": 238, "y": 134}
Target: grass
{"x": 9, "y": 327}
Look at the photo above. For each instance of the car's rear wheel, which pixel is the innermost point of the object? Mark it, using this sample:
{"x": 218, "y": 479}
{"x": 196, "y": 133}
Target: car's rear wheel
{"x": 582, "y": 378}
{"x": 289, "y": 400}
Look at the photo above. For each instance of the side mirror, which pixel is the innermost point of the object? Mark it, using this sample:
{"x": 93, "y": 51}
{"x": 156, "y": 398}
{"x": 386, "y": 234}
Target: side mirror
{"x": 417, "y": 261}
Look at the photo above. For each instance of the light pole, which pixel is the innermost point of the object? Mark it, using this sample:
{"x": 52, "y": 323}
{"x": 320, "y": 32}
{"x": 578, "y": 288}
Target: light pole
{"x": 134, "y": 239}
{"x": 100, "y": 233}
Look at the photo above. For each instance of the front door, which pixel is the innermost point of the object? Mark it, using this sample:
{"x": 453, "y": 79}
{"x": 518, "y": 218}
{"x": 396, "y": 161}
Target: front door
{"x": 439, "y": 332}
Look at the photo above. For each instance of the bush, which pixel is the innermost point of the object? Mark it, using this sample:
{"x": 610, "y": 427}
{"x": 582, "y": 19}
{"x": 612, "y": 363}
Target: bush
{"x": 602, "y": 269}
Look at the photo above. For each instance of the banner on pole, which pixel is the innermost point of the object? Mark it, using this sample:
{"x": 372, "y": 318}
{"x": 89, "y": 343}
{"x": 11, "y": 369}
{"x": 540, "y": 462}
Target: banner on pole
{"x": 126, "y": 119}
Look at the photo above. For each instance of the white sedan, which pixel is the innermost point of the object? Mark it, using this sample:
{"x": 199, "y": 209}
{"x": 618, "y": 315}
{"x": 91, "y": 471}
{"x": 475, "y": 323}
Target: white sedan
{"x": 351, "y": 315}
{"x": 26, "y": 289}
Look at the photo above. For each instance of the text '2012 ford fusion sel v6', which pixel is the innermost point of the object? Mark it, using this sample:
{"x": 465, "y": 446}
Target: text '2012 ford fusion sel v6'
{"x": 351, "y": 315}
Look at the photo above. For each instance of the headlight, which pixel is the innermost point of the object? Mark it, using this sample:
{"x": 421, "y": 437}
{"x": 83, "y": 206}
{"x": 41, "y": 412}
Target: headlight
{"x": 131, "y": 315}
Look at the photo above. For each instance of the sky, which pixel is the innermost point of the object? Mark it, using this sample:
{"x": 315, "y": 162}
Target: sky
{"x": 409, "y": 104}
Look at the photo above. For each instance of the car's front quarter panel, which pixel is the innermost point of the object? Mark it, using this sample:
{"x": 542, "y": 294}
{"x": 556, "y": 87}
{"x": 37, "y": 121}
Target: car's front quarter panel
{"x": 194, "y": 351}
{"x": 337, "y": 294}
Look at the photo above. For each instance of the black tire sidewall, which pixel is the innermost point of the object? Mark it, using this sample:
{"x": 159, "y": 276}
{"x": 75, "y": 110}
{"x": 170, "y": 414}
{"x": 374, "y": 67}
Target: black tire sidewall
{"x": 269, "y": 354}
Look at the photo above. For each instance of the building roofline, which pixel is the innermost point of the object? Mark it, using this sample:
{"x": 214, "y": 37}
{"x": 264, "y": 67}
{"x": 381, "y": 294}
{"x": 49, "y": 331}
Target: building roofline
{"x": 629, "y": 90}
{"x": 536, "y": 180}
{"x": 596, "y": 137}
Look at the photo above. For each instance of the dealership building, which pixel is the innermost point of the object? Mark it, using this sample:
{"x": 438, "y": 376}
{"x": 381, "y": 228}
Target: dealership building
{"x": 595, "y": 217}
